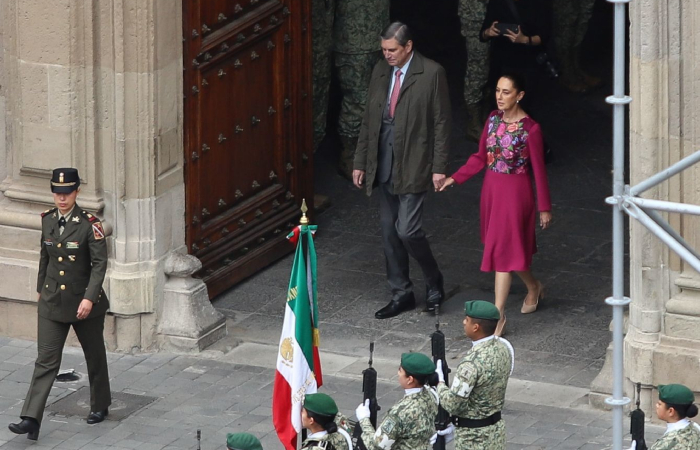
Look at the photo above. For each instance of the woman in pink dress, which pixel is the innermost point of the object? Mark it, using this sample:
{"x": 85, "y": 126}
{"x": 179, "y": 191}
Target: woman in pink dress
{"x": 511, "y": 149}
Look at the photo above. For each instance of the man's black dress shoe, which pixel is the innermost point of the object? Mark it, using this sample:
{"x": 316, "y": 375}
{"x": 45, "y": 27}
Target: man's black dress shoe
{"x": 434, "y": 295}
{"x": 396, "y": 306}
{"x": 29, "y": 426}
{"x": 97, "y": 417}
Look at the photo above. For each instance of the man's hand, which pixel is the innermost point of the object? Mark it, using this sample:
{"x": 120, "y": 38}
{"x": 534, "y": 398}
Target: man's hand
{"x": 84, "y": 309}
{"x": 492, "y": 31}
{"x": 449, "y": 181}
{"x": 362, "y": 411}
{"x": 438, "y": 180}
{"x": 358, "y": 178}
{"x": 438, "y": 371}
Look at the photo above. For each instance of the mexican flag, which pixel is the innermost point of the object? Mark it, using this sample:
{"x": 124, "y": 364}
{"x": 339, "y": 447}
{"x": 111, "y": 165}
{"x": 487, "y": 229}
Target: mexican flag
{"x": 298, "y": 363}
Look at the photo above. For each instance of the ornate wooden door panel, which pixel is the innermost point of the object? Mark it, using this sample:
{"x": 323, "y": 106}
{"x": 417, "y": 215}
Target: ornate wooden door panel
{"x": 248, "y": 147}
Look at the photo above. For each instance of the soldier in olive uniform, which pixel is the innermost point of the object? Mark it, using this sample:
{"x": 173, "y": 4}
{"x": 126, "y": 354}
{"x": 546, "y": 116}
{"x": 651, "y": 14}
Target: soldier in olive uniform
{"x": 472, "y": 14}
{"x": 675, "y": 407}
{"x": 242, "y": 441}
{"x": 72, "y": 267}
{"x": 345, "y": 35}
{"x": 478, "y": 391}
{"x": 318, "y": 415}
{"x": 570, "y": 23}
{"x": 410, "y": 423}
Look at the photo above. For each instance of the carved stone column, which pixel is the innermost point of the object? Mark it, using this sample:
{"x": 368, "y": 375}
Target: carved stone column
{"x": 98, "y": 86}
{"x": 663, "y": 340}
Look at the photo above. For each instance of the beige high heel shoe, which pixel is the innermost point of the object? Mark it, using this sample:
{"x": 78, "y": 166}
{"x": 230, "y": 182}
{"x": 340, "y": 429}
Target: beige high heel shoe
{"x": 527, "y": 309}
{"x": 501, "y": 326}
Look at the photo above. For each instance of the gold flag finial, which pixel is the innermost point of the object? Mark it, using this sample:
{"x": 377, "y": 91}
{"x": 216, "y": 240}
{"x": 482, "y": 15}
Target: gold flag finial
{"x": 304, "y": 220}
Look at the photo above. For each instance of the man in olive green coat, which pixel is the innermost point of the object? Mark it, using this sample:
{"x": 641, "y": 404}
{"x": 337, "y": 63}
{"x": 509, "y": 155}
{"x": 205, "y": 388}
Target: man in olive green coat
{"x": 72, "y": 267}
{"x": 403, "y": 148}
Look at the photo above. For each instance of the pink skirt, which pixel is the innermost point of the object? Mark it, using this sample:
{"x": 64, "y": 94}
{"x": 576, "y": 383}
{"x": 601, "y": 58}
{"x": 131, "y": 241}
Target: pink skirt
{"x": 508, "y": 215}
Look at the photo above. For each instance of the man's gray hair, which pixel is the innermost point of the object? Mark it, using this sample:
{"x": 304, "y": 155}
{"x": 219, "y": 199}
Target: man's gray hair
{"x": 398, "y": 31}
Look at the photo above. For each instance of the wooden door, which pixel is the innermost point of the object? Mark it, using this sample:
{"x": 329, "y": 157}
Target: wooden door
{"x": 248, "y": 140}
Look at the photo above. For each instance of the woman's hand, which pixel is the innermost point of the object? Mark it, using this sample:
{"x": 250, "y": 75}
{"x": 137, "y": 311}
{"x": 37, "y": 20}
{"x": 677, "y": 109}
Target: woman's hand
{"x": 492, "y": 31}
{"x": 517, "y": 38}
{"x": 449, "y": 181}
{"x": 84, "y": 309}
{"x": 545, "y": 219}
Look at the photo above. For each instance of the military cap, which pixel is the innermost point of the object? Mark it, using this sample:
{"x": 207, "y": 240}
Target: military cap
{"x": 242, "y": 441}
{"x": 65, "y": 180}
{"x": 676, "y": 394}
{"x": 320, "y": 404}
{"x": 417, "y": 364}
{"x": 480, "y": 309}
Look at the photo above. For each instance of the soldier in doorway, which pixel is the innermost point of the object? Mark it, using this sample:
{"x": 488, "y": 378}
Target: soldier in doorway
{"x": 472, "y": 14}
{"x": 345, "y": 34}
{"x": 571, "y": 19}
{"x": 478, "y": 390}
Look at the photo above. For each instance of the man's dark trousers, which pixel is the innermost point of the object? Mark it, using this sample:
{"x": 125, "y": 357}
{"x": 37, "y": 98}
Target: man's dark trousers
{"x": 401, "y": 219}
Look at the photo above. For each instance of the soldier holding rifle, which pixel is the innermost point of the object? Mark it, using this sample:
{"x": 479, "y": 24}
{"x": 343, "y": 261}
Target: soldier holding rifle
{"x": 409, "y": 423}
{"x": 478, "y": 390}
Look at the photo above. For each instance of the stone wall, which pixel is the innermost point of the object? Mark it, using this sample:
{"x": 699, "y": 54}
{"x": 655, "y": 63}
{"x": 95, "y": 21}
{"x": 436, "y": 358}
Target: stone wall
{"x": 96, "y": 85}
{"x": 663, "y": 339}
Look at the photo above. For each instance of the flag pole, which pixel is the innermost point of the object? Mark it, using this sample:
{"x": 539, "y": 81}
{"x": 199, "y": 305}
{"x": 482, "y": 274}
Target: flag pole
{"x": 303, "y": 222}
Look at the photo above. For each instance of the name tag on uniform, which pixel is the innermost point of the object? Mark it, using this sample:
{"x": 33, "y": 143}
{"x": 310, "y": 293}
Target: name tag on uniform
{"x": 71, "y": 244}
{"x": 48, "y": 242}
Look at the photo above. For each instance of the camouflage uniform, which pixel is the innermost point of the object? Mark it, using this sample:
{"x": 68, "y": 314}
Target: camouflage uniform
{"x": 408, "y": 425}
{"x": 570, "y": 20}
{"x": 322, "y": 17}
{"x": 687, "y": 438}
{"x": 478, "y": 391}
{"x": 472, "y": 14}
{"x": 336, "y": 439}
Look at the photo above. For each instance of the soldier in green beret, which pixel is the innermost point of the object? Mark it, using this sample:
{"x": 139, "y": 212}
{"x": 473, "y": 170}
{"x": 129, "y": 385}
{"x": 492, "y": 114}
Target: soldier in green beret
{"x": 72, "y": 267}
{"x": 675, "y": 407}
{"x": 410, "y": 423}
{"x": 318, "y": 415}
{"x": 478, "y": 390}
{"x": 242, "y": 441}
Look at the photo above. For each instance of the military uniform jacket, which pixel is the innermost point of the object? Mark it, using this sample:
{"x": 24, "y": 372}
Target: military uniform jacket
{"x": 687, "y": 438}
{"x": 478, "y": 391}
{"x": 337, "y": 441}
{"x": 72, "y": 266}
{"x": 408, "y": 425}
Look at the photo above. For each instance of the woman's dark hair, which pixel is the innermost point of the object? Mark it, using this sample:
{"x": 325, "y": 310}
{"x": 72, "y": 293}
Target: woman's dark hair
{"x": 398, "y": 31}
{"x": 517, "y": 80}
{"x": 684, "y": 411}
{"x": 431, "y": 379}
{"x": 327, "y": 422}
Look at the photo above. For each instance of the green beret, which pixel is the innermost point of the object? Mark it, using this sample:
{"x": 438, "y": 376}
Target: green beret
{"x": 479, "y": 309}
{"x": 242, "y": 441}
{"x": 676, "y": 394}
{"x": 417, "y": 364}
{"x": 320, "y": 404}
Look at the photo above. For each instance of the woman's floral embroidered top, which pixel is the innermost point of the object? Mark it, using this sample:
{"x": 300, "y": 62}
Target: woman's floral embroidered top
{"x": 506, "y": 145}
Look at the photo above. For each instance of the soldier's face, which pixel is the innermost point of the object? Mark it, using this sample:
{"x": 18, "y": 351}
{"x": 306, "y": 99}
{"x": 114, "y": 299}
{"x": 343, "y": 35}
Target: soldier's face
{"x": 306, "y": 421}
{"x": 663, "y": 411}
{"x": 405, "y": 381}
{"x": 396, "y": 54}
{"x": 469, "y": 327}
{"x": 65, "y": 202}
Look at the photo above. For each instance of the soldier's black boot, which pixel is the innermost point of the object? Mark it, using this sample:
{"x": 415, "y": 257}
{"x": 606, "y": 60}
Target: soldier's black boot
{"x": 27, "y": 426}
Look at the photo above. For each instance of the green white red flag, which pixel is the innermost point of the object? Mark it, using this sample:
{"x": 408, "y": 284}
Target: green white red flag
{"x": 298, "y": 362}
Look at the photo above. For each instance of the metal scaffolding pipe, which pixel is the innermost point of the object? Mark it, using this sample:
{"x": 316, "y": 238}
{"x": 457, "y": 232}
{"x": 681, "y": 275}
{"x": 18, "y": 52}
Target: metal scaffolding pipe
{"x": 661, "y": 205}
{"x": 618, "y": 100}
{"x": 666, "y": 173}
{"x": 656, "y": 217}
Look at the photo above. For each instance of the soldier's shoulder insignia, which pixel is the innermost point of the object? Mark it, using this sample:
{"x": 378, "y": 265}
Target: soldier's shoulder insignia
{"x": 92, "y": 218}
{"x": 388, "y": 425}
{"x": 48, "y": 211}
{"x": 98, "y": 230}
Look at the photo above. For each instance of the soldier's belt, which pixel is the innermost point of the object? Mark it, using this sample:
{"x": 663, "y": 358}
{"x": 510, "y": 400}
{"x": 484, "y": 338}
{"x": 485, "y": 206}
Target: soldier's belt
{"x": 463, "y": 422}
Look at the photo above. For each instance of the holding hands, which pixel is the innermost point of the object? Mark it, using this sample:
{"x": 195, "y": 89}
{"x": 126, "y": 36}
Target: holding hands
{"x": 449, "y": 181}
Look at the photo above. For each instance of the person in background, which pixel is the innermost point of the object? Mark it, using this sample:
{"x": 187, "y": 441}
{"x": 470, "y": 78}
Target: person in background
{"x": 511, "y": 150}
